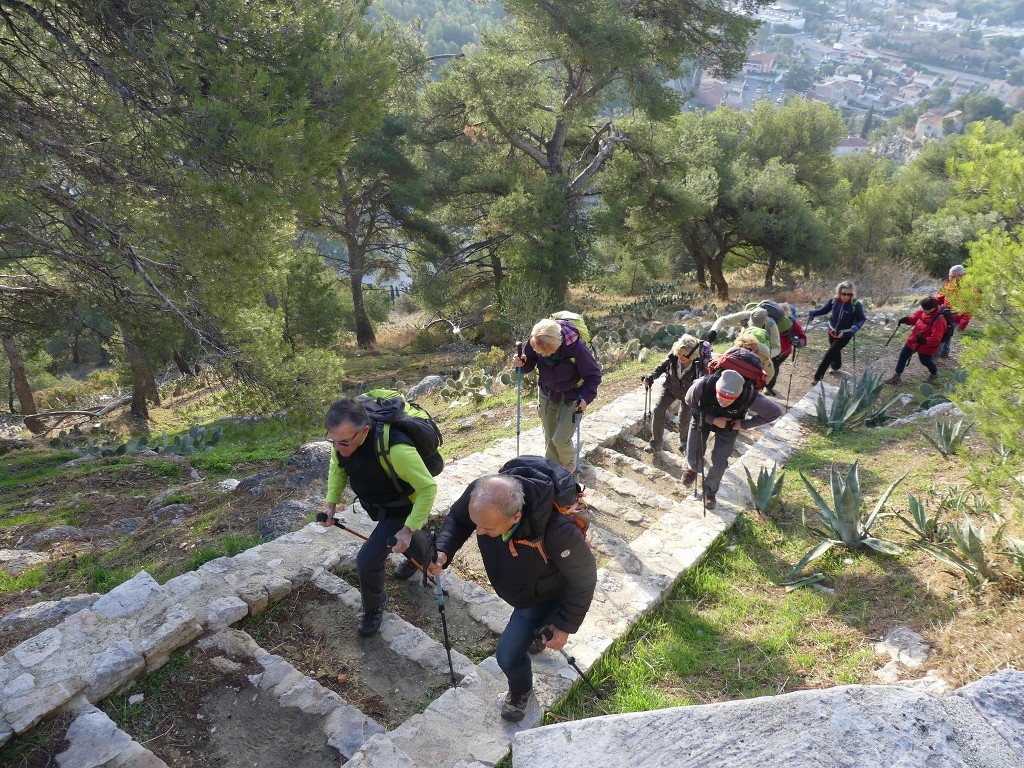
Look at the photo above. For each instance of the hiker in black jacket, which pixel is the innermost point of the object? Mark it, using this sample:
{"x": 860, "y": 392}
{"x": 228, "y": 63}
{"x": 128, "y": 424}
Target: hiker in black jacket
{"x": 536, "y": 559}
{"x": 687, "y": 361}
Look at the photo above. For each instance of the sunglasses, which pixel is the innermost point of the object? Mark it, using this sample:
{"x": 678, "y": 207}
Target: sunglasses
{"x": 846, "y": 294}
{"x": 345, "y": 443}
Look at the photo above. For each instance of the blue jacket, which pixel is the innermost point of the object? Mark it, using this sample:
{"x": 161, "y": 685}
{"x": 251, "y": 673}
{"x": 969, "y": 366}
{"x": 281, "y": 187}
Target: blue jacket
{"x": 846, "y": 319}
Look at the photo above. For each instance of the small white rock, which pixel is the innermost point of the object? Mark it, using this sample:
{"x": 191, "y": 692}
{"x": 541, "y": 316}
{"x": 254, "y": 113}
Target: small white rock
{"x": 136, "y": 698}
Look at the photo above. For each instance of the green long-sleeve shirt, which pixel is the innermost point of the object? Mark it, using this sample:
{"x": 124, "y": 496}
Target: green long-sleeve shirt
{"x": 409, "y": 467}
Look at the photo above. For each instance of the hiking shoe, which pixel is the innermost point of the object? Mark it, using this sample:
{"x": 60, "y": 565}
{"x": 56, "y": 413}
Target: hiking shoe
{"x": 406, "y": 570}
{"x": 369, "y": 625}
{"x": 944, "y": 353}
{"x": 689, "y": 476}
{"x": 709, "y": 501}
{"x": 514, "y": 707}
{"x": 931, "y": 377}
{"x": 653, "y": 447}
{"x": 537, "y": 646}
{"x": 893, "y": 380}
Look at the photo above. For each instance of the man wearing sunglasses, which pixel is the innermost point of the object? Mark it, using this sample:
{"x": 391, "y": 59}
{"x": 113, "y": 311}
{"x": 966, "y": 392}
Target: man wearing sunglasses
{"x": 399, "y": 509}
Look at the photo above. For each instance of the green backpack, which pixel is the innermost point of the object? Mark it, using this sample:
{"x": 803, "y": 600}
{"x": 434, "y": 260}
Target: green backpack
{"x": 388, "y": 408}
{"x": 577, "y": 322}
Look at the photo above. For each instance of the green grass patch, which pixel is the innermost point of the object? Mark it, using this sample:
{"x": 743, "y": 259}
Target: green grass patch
{"x": 148, "y": 717}
{"x": 31, "y": 467}
{"x": 251, "y": 442}
{"x": 163, "y": 467}
{"x": 32, "y": 577}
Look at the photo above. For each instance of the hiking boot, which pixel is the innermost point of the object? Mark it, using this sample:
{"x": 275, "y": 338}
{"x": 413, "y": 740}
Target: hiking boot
{"x": 931, "y": 377}
{"x": 689, "y": 476}
{"x": 369, "y": 625}
{"x": 653, "y": 447}
{"x": 944, "y": 353}
{"x": 406, "y": 570}
{"x": 537, "y": 646}
{"x": 709, "y": 501}
{"x": 514, "y": 707}
{"x": 835, "y": 372}
{"x": 893, "y": 380}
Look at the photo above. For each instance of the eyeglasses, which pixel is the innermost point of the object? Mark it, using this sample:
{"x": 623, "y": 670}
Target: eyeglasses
{"x": 846, "y": 294}
{"x": 345, "y": 443}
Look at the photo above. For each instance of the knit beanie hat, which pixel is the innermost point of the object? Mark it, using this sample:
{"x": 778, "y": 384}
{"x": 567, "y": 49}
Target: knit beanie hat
{"x": 730, "y": 385}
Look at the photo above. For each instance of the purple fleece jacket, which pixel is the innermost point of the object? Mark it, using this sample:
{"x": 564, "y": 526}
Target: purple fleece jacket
{"x": 574, "y": 375}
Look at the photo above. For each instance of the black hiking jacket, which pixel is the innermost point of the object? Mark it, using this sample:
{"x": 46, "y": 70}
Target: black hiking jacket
{"x": 545, "y": 559}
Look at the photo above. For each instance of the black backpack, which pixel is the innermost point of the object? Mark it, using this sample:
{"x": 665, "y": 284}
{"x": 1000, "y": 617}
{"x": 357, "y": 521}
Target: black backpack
{"x": 388, "y": 409}
{"x": 568, "y": 493}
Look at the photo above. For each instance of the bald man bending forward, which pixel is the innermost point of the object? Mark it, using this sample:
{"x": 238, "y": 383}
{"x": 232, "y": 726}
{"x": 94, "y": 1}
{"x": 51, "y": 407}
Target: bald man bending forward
{"x": 536, "y": 559}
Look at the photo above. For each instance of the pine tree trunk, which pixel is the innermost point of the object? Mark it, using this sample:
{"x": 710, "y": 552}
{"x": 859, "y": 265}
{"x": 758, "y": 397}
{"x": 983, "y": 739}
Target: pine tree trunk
{"x": 718, "y": 279}
{"x": 769, "y": 274}
{"x": 26, "y": 399}
{"x": 143, "y": 383}
{"x": 365, "y": 337}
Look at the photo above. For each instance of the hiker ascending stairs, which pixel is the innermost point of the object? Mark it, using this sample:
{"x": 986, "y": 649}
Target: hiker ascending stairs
{"x": 568, "y": 375}
{"x": 536, "y": 558}
{"x": 925, "y": 337}
{"x": 685, "y": 363}
{"x": 720, "y": 404}
{"x": 846, "y": 316}
{"x": 398, "y": 503}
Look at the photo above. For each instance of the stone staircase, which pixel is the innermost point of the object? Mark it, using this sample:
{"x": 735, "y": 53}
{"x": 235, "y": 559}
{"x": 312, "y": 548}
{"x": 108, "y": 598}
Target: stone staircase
{"x": 648, "y": 530}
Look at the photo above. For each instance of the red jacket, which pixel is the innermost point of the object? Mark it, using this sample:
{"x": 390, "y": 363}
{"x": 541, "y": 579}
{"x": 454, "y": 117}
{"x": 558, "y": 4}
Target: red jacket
{"x": 786, "y": 338}
{"x": 931, "y": 325}
{"x": 951, "y": 290}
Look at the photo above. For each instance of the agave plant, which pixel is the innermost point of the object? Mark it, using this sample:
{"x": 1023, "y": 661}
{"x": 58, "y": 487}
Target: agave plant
{"x": 1015, "y": 551}
{"x": 842, "y": 522}
{"x": 921, "y": 522}
{"x": 948, "y": 435}
{"x": 767, "y": 490}
{"x": 967, "y": 552}
{"x": 856, "y": 405}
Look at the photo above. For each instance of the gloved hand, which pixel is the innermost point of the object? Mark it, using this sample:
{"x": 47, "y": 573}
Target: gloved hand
{"x": 712, "y": 335}
{"x": 905, "y": 320}
{"x": 921, "y": 339}
{"x": 647, "y": 380}
{"x": 799, "y": 343}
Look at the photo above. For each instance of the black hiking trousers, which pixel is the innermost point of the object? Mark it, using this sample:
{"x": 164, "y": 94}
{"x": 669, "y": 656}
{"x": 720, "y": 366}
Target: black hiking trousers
{"x": 833, "y": 357}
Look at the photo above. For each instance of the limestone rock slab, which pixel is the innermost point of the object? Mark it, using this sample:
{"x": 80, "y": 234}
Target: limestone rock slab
{"x": 847, "y": 727}
{"x": 1000, "y": 700}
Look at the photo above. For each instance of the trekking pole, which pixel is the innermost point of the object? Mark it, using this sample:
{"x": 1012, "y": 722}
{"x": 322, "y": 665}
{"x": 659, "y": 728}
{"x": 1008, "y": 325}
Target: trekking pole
{"x": 647, "y": 406}
{"x": 792, "y": 368}
{"x": 854, "y": 358}
{"x": 894, "y": 332}
{"x": 545, "y": 635}
{"x": 578, "y": 418}
{"x": 519, "y": 393}
{"x": 432, "y": 557}
{"x": 322, "y": 516}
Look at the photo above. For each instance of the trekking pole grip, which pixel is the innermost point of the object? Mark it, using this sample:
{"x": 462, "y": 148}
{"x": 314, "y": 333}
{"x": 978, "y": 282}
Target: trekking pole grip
{"x": 519, "y": 349}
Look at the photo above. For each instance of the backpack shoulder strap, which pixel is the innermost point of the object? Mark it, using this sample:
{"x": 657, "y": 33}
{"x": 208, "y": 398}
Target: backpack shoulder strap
{"x": 382, "y": 443}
